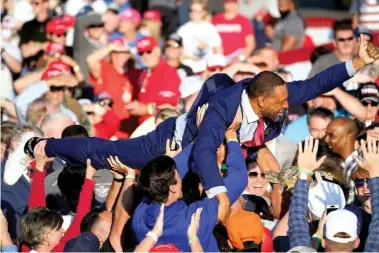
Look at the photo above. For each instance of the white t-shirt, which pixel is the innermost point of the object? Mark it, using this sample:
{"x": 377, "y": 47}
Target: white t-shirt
{"x": 198, "y": 34}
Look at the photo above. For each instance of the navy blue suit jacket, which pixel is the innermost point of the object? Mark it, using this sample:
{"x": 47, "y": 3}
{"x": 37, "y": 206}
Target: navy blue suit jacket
{"x": 223, "y": 107}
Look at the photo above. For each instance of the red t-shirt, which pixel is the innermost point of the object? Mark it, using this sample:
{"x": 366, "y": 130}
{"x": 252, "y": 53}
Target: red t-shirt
{"x": 232, "y": 31}
{"x": 117, "y": 85}
{"x": 159, "y": 86}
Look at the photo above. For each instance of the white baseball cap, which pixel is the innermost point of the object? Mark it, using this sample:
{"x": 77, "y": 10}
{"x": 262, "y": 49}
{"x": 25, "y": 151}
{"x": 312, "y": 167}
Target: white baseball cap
{"x": 341, "y": 221}
{"x": 190, "y": 85}
{"x": 215, "y": 61}
{"x": 323, "y": 194}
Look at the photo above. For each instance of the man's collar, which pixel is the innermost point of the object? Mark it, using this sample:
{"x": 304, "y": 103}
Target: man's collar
{"x": 247, "y": 109}
{"x": 350, "y": 158}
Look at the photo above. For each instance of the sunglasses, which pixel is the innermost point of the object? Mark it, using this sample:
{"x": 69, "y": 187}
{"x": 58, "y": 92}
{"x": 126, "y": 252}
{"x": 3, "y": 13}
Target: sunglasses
{"x": 173, "y": 45}
{"x": 57, "y": 88}
{"x": 106, "y": 102}
{"x": 146, "y": 52}
{"x": 59, "y": 35}
{"x": 36, "y": 3}
{"x": 254, "y": 174}
{"x": 90, "y": 113}
{"x": 345, "y": 39}
{"x": 360, "y": 182}
{"x": 366, "y": 103}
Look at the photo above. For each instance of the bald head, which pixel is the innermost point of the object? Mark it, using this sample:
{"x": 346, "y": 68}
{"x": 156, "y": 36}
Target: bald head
{"x": 341, "y": 134}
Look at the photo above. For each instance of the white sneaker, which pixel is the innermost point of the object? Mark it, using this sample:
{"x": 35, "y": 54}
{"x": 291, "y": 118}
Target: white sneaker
{"x": 17, "y": 163}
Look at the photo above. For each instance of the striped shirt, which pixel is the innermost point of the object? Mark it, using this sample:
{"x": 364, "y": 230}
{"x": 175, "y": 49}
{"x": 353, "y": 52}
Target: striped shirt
{"x": 368, "y": 11}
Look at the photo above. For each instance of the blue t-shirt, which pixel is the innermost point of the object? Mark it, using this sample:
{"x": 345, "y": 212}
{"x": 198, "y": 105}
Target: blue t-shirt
{"x": 298, "y": 130}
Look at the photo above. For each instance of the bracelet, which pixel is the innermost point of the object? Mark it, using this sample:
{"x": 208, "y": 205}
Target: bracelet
{"x": 309, "y": 172}
{"x": 131, "y": 176}
{"x": 119, "y": 180}
{"x": 152, "y": 235}
{"x": 192, "y": 239}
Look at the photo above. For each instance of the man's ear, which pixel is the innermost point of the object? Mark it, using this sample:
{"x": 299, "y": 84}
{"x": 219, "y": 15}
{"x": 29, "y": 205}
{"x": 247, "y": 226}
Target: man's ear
{"x": 261, "y": 101}
{"x": 173, "y": 188}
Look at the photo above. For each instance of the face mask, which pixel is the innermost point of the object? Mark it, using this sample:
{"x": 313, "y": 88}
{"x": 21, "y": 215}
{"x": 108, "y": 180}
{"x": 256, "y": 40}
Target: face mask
{"x": 284, "y": 14}
{"x": 6, "y": 34}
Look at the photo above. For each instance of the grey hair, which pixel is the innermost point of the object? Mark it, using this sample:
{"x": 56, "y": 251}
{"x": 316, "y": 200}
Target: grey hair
{"x": 52, "y": 119}
{"x": 20, "y": 129}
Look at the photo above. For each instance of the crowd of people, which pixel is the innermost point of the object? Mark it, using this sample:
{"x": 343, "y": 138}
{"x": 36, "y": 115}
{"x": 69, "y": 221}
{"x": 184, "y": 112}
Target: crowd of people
{"x": 170, "y": 126}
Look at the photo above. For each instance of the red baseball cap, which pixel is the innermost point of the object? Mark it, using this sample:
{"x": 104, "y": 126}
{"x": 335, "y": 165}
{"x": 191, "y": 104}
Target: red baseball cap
{"x": 55, "y": 68}
{"x": 164, "y": 248}
{"x": 153, "y": 15}
{"x": 131, "y": 15}
{"x": 146, "y": 44}
{"x": 56, "y": 26}
{"x": 68, "y": 21}
{"x": 54, "y": 48}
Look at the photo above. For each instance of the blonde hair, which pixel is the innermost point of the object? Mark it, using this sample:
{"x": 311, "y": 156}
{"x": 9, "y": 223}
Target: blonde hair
{"x": 203, "y": 3}
{"x": 154, "y": 27}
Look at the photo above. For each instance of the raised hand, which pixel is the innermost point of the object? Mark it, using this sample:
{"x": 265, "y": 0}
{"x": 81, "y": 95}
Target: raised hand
{"x": 40, "y": 155}
{"x": 370, "y": 161}
{"x": 307, "y": 158}
{"x": 90, "y": 171}
{"x": 195, "y": 223}
{"x": 367, "y": 51}
{"x": 171, "y": 150}
{"x": 118, "y": 166}
{"x": 158, "y": 227}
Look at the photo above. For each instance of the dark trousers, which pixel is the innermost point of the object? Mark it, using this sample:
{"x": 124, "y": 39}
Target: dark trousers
{"x": 134, "y": 153}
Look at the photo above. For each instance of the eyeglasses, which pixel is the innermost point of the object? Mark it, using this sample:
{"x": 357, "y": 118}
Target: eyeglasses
{"x": 35, "y": 3}
{"x": 372, "y": 103}
{"x": 360, "y": 182}
{"x": 57, "y": 88}
{"x": 345, "y": 39}
{"x": 255, "y": 174}
{"x": 146, "y": 52}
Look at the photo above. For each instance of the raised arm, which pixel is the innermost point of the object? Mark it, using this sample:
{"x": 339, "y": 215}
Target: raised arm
{"x": 351, "y": 104}
{"x": 300, "y": 92}
{"x": 84, "y": 206}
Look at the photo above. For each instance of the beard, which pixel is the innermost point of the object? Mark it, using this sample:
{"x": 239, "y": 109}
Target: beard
{"x": 274, "y": 117}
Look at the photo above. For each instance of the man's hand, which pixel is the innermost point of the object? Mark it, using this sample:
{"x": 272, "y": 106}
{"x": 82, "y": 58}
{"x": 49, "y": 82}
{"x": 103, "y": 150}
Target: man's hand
{"x": 231, "y": 132}
{"x": 40, "y": 156}
{"x": 195, "y": 223}
{"x": 66, "y": 79}
{"x": 373, "y": 133}
{"x": 158, "y": 227}
{"x": 223, "y": 207}
{"x": 367, "y": 54}
{"x": 90, "y": 171}
{"x": 200, "y": 114}
{"x": 307, "y": 158}
{"x": 137, "y": 108}
{"x": 118, "y": 169}
{"x": 171, "y": 150}
{"x": 370, "y": 161}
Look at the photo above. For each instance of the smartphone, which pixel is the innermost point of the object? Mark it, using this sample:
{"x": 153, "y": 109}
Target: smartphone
{"x": 331, "y": 208}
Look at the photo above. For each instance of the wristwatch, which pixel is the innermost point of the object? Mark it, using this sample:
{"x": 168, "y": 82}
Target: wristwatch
{"x": 304, "y": 176}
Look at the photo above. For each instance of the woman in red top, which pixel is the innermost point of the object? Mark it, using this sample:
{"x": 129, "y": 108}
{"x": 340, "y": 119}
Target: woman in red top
{"x": 57, "y": 240}
{"x": 116, "y": 77}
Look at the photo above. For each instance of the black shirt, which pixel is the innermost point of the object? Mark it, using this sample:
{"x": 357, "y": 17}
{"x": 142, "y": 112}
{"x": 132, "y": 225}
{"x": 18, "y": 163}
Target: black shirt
{"x": 33, "y": 31}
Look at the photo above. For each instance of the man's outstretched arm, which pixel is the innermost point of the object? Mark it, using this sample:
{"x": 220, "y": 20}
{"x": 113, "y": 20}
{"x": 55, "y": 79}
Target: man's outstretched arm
{"x": 300, "y": 92}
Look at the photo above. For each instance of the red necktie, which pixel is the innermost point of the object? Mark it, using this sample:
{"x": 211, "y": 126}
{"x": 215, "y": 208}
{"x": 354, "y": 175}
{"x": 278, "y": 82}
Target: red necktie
{"x": 259, "y": 135}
